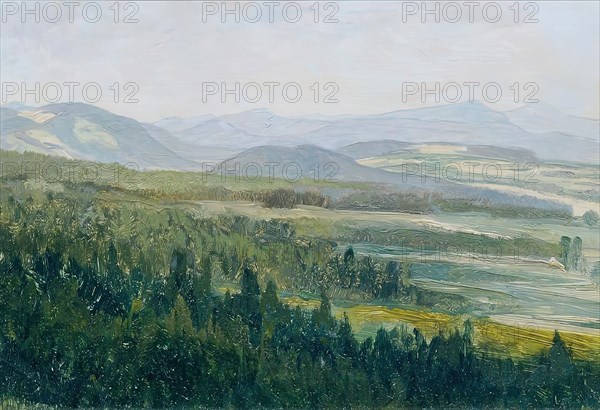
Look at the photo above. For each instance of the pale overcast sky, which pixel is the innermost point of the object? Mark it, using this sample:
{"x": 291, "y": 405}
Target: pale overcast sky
{"x": 369, "y": 53}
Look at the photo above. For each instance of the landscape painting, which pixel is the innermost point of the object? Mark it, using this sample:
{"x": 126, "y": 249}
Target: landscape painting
{"x": 325, "y": 204}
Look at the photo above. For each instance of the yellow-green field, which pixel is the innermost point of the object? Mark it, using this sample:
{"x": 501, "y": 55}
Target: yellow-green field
{"x": 519, "y": 340}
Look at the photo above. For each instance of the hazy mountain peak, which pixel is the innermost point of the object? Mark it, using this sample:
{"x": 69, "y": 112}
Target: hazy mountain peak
{"x": 471, "y": 112}
{"x": 539, "y": 118}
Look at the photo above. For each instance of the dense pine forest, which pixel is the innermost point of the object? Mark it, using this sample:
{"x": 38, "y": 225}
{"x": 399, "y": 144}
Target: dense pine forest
{"x": 106, "y": 303}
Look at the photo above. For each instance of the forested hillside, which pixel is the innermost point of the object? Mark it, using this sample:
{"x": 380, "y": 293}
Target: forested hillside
{"x": 108, "y": 304}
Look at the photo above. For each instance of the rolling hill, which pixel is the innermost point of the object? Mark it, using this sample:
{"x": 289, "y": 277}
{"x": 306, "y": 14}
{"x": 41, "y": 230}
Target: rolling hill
{"x": 83, "y": 131}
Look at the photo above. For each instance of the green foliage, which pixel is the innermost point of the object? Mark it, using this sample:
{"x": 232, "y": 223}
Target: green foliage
{"x": 185, "y": 250}
{"x": 565, "y": 246}
{"x": 112, "y": 306}
{"x": 288, "y": 198}
{"x": 58, "y": 349}
{"x": 575, "y": 259}
{"x": 591, "y": 218}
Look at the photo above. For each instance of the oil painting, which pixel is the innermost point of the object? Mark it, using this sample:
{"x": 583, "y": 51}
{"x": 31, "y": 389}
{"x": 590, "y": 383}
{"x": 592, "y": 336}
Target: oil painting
{"x": 300, "y": 204}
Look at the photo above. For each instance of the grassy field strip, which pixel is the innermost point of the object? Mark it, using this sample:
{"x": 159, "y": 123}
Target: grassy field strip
{"x": 579, "y": 206}
{"x": 517, "y": 340}
{"x": 314, "y": 221}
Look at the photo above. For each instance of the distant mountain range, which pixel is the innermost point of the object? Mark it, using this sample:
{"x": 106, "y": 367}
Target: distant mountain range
{"x": 84, "y": 131}
{"x": 537, "y": 128}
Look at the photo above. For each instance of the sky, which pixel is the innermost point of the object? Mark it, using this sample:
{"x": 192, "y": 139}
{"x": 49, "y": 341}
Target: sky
{"x": 176, "y": 58}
